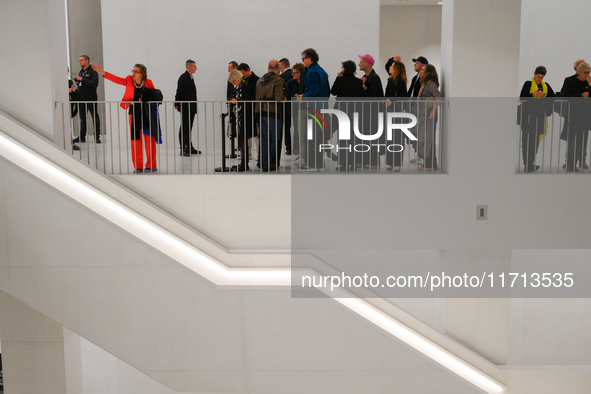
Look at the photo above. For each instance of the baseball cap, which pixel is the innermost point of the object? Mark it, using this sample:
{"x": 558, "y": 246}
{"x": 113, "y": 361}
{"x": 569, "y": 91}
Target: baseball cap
{"x": 421, "y": 59}
{"x": 368, "y": 58}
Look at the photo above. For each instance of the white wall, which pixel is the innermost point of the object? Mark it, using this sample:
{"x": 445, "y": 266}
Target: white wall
{"x": 484, "y": 48}
{"x": 32, "y": 350}
{"x": 33, "y": 61}
{"x": 553, "y": 34}
{"x": 86, "y": 37}
{"x": 166, "y": 33}
{"x": 409, "y": 31}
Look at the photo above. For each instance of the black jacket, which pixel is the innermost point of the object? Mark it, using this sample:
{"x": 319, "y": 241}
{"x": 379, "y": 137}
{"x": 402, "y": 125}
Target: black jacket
{"x": 579, "y": 119}
{"x": 292, "y": 88}
{"x": 396, "y": 88}
{"x": 287, "y": 75}
{"x": 415, "y": 86}
{"x": 186, "y": 91}
{"x": 533, "y": 107}
{"x": 389, "y": 63}
{"x": 373, "y": 85}
{"x": 302, "y": 87}
{"x": 87, "y": 87}
{"x": 249, "y": 89}
{"x": 73, "y": 97}
{"x": 347, "y": 86}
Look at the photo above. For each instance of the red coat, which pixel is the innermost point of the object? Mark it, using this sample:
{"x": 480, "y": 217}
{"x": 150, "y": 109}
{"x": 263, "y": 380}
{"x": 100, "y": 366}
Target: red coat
{"x": 129, "y": 87}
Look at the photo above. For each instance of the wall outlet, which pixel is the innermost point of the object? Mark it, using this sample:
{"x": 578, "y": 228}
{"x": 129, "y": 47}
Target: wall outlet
{"x": 481, "y": 212}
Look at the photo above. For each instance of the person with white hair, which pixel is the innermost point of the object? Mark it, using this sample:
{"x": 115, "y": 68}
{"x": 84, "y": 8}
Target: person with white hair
{"x": 236, "y": 79}
{"x": 577, "y": 62}
{"x": 576, "y": 130}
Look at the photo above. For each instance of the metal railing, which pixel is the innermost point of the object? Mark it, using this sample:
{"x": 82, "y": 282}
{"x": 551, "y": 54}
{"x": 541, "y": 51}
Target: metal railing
{"x": 249, "y": 136}
{"x": 553, "y": 135}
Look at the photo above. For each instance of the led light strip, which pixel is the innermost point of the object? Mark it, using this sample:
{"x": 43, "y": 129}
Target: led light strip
{"x": 215, "y": 271}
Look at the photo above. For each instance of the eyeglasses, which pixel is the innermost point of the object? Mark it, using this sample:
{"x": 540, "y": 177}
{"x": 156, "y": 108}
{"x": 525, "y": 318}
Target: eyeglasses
{"x": 586, "y": 72}
{"x": 135, "y": 72}
{"x": 304, "y": 58}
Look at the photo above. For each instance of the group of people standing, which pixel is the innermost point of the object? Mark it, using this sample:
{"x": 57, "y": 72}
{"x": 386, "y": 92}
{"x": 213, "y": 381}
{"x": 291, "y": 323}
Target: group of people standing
{"x": 267, "y": 106}
{"x": 306, "y": 87}
{"x": 141, "y": 100}
{"x": 537, "y": 105}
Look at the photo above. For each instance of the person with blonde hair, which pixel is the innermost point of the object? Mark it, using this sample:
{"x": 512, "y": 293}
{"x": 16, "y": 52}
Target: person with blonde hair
{"x": 236, "y": 79}
{"x": 143, "y": 116}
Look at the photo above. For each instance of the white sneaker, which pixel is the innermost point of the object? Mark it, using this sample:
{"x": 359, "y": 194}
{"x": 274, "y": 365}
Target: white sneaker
{"x": 414, "y": 159}
{"x": 371, "y": 167}
{"x": 397, "y": 169}
{"x": 305, "y": 168}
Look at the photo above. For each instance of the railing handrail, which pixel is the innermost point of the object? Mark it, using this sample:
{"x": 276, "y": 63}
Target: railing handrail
{"x": 293, "y": 100}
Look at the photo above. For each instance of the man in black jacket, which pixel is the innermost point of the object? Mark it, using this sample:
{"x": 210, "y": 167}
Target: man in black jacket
{"x": 233, "y": 65}
{"x": 372, "y": 90}
{"x": 286, "y": 75}
{"x": 187, "y": 91}
{"x": 87, "y": 81}
{"x": 415, "y": 84}
{"x": 249, "y": 88}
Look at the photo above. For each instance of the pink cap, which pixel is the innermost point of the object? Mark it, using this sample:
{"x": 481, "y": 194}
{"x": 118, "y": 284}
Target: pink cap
{"x": 368, "y": 58}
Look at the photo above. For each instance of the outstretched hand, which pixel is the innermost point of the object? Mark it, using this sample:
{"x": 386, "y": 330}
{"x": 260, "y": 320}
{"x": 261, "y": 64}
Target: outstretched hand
{"x": 98, "y": 69}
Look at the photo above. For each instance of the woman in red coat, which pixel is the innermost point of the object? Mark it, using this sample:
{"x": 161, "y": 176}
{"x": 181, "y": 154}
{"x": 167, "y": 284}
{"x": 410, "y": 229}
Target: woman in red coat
{"x": 143, "y": 118}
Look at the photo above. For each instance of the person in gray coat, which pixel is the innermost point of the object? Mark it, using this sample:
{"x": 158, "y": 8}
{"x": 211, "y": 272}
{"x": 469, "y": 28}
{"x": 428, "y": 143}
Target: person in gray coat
{"x": 427, "y": 116}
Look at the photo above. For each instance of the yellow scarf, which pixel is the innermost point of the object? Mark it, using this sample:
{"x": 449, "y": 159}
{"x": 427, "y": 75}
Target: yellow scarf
{"x": 532, "y": 90}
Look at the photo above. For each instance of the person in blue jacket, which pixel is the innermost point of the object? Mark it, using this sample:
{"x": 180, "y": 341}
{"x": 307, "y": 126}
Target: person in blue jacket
{"x": 317, "y": 89}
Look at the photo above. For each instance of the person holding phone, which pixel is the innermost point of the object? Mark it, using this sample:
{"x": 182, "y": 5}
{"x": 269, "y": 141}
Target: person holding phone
{"x": 533, "y": 115}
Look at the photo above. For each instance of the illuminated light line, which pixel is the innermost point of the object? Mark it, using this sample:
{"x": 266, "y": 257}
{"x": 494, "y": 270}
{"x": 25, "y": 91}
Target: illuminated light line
{"x": 217, "y": 272}
{"x": 425, "y": 346}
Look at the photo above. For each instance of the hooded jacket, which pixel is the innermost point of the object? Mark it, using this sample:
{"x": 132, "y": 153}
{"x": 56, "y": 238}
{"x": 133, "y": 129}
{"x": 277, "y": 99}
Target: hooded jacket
{"x": 269, "y": 88}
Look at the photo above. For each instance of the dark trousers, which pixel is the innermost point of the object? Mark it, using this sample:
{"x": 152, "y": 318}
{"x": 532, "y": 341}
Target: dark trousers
{"x": 287, "y": 129}
{"x": 530, "y": 140}
{"x": 314, "y": 157}
{"x": 367, "y": 154}
{"x": 270, "y": 142}
{"x": 576, "y": 146}
{"x": 187, "y": 119}
{"x": 243, "y": 146}
{"x": 295, "y": 147}
{"x": 92, "y": 108}
{"x": 395, "y": 158}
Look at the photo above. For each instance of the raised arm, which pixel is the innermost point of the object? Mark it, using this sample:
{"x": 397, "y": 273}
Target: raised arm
{"x": 109, "y": 76}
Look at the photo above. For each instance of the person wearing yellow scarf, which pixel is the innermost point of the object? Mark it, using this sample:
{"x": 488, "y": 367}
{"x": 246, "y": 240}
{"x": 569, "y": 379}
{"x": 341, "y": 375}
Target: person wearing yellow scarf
{"x": 534, "y": 112}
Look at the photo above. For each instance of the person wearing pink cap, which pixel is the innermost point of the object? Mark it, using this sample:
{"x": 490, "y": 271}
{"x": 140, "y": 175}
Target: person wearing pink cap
{"x": 372, "y": 84}
{"x": 372, "y": 90}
